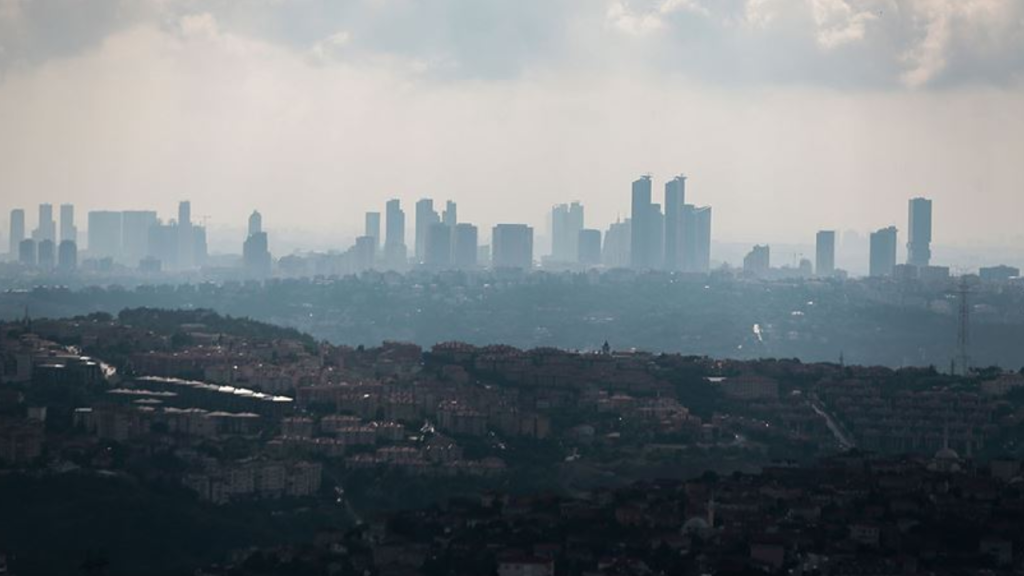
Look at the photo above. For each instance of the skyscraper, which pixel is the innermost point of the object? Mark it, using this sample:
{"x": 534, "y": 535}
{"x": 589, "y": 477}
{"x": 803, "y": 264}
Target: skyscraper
{"x": 68, "y": 230}
{"x": 394, "y": 242}
{"x": 919, "y": 251}
{"x": 364, "y": 253}
{"x": 437, "y": 253}
{"x": 616, "y": 251}
{"x": 450, "y": 217}
{"x": 104, "y": 234}
{"x": 883, "y": 252}
{"x": 135, "y": 226}
{"x": 371, "y": 227}
{"x": 589, "y": 247}
{"x": 425, "y": 216}
{"x": 642, "y": 227}
{"x": 512, "y": 246}
{"x": 675, "y": 201}
{"x": 17, "y": 232}
{"x": 825, "y": 253}
{"x": 758, "y": 261}
{"x": 186, "y": 237}
{"x": 46, "y": 254}
{"x": 255, "y": 223}
{"x": 700, "y": 221}
{"x": 27, "y": 252}
{"x": 67, "y": 256}
{"x": 566, "y": 223}
{"x": 47, "y": 228}
{"x": 465, "y": 248}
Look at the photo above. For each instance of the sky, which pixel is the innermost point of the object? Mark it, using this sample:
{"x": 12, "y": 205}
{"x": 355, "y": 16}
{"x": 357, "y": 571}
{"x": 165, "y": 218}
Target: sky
{"x": 787, "y": 116}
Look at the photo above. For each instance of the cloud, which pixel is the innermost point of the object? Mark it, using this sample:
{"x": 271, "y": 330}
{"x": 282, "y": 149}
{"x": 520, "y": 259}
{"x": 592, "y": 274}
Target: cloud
{"x": 839, "y": 23}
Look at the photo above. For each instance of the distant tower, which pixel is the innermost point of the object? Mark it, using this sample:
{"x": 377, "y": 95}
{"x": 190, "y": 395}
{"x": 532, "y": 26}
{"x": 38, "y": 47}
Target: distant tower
{"x": 371, "y": 227}
{"x": 68, "y": 231}
{"x": 963, "y": 337}
{"x": 17, "y": 232}
{"x": 919, "y": 251}
{"x": 883, "y": 252}
{"x": 394, "y": 234}
{"x": 255, "y": 223}
{"x": 825, "y": 253}
{"x": 675, "y": 202}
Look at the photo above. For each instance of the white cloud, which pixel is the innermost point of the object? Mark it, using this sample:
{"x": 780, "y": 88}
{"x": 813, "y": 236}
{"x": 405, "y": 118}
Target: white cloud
{"x": 839, "y": 23}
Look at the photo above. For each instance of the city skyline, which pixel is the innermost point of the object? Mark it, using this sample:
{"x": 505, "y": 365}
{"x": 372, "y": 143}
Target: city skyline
{"x": 159, "y": 101}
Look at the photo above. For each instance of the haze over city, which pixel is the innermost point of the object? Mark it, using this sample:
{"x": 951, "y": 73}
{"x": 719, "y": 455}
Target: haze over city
{"x": 511, "y": 287}
{"x": 788, "y": 116}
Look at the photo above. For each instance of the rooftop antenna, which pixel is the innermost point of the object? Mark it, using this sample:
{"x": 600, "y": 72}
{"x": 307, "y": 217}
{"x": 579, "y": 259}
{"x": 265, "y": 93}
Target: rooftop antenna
{"x": 963, "y": 338}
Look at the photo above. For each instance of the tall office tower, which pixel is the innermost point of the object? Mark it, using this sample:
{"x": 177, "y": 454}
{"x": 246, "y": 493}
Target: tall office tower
{"x": 371, "y": 226}
{"x": 883, "y": 252}
{"x": 27, "y": 252}
{"x": 640, "y": 234}
{"x": 919, "y": 250}
{"x": 46, "y": 254}
{"x": 256, "y": 255}
{"x": 675, "y": 202}
{"x": 135, "y": 225}
{"x": 425, "y": 216}
{"x": 47, "y": 228}
{"x": 566, "y": 223}
{"x": 700, "y": 222}
{"x": 394, "y": 241}
{"x": 589, "y": 247}
{"x": 186, "y": 236}
{"x": 163, "y": 246}
{"x": 364, "y": 252}
{"x": 512, "y": 246}
{"x": 199, "y": 248}
{"x": 657, "y": 237}
{"x": 104, "y": 234}
{"x": 438, "y": 250}
{"x": 825, "y": 253}
{"x": 255, "y": 223}
{"x": 465, "y": 249}
{"x": 450, "y": 216}
{"x": 616, "y": 252}
{"x": 17, "y": 232}
{"x": 68, "y": 230}
{"x": 67, "y": 256}
{"x": 758, "y": 261}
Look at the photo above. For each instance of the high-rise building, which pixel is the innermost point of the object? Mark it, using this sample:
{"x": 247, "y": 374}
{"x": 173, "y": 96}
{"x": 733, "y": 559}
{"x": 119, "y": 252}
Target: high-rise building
{"x": 46, "y": 254}
{"x": 883, "y": 252}
{"x": 186, "y": 236}
{"x": 27, "y": 252}
{"x": 104, "y": 234}
{"x": 438, "y": 250}
{"x": 135, "y": 225}
{"x": 566, "y": 223}
{"x": 919, "y": 250}
{"x": 512, "y": 246}
{"x": 675, "y": 202}
{"x": 589, "y": 247}
{"x": 642, "y": 229}
{"x": 425, "y": 216}
{"x": 394, "y": 241}
{"x": 162, "y": 247}
{"x": 465, "y": 250}
{"x": 616, "y": 252}
{"x": 371, "y": 227}
{"x": 364, "y": 253}
{"x": 697, "y": 235}
{"x": 825, "y": 253}
{"x": 758, "y": 261}
{"x": 68, "y": 230}
{"x": 255, "y": 223}
{"x": 450, "y": 217}
{"x": 67, "y": 256}
{"x": 256, "y": 249}
{"x": 47, "y": 228}
{"x": 17, "y": 232}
